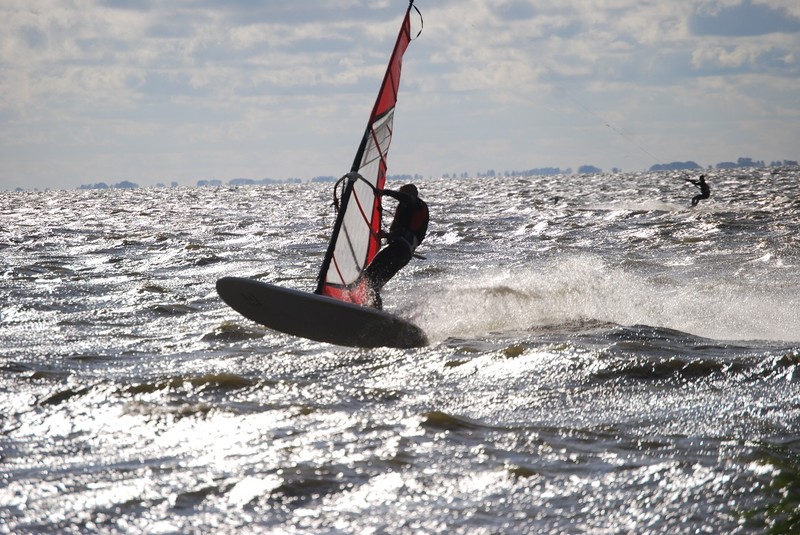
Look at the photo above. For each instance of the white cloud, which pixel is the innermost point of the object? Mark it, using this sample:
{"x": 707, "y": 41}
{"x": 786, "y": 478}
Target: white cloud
{"x": 201, "y": 89}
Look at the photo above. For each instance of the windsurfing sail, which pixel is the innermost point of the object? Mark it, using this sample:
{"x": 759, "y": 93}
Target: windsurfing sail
{"x": 355, "y": 238}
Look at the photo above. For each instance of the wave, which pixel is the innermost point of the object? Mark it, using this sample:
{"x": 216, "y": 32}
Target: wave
{"x": 586, "y": 289}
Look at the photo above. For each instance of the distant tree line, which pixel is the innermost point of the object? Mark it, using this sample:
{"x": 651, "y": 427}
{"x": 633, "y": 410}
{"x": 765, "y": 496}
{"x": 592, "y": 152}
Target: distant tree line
{"x": 675, "y": 166}
{"x": 404, "y": 177}
{"x": 215, "y": 183}
{"x": 739, "y": 163}
{"x": 749, "y": 162}
{"x": 540, "y": 171}
{"x": 125, "y": 184}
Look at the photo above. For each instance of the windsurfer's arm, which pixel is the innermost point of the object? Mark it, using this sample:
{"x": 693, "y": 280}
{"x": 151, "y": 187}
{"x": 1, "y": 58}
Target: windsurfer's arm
{"x": 400, "y": 196}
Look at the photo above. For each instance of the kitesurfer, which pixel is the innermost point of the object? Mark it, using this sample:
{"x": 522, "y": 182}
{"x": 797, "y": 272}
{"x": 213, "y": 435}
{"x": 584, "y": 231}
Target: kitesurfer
{"x": 705, "y": 191}
{"x": 406, "y": 232}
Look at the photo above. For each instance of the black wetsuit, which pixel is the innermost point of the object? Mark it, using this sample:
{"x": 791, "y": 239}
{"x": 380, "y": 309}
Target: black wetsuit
{"x": 408, "y": 229}
{"x": 705, "y": 191}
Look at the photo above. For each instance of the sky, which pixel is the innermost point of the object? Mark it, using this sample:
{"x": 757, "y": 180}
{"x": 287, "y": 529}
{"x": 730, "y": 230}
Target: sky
{"x": 161, "y": 91}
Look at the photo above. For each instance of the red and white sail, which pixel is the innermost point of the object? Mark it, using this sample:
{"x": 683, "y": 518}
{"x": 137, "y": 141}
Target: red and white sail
{"x": 355, "y": 239}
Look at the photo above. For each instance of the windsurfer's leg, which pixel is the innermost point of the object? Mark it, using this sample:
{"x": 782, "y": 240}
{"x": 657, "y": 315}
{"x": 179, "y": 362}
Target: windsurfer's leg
{"x": 386, "y": 264}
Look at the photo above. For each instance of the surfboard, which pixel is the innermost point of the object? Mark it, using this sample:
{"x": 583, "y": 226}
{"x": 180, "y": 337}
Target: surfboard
{"x": 339, "y": 311}
{"x": 317, "y": 317}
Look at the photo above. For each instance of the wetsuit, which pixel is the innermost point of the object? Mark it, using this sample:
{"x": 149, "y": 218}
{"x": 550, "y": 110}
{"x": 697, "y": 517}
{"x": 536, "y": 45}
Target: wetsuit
{"x": 408, "y": 229}
{"x": 705, "y": 191}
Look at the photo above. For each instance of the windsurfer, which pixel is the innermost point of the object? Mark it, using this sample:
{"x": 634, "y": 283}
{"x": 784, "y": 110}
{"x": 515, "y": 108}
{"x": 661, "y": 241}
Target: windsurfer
{"x": 406, "y": 232}
{"x": 705, "y": 190}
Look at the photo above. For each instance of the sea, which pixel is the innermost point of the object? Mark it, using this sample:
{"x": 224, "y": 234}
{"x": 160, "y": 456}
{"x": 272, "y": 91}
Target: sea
{"x": 603, "y": 358}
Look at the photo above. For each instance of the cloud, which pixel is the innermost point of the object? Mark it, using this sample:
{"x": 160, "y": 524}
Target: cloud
{"x": 244, "y": 87}
{"x": 745, "y": 19}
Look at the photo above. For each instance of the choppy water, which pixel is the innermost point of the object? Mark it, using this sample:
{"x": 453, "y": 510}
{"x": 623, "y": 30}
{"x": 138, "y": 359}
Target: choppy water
{"x": 604, "y": 359}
